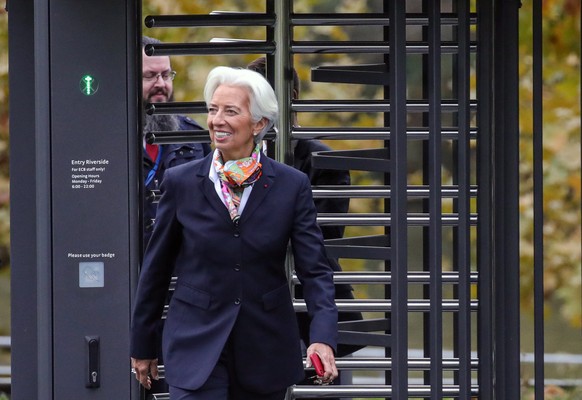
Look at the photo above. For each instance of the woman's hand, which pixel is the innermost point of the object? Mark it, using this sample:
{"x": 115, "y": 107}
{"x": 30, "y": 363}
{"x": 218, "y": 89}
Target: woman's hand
{"x": 144, "y": 371}
{"x": 325, "y": 353}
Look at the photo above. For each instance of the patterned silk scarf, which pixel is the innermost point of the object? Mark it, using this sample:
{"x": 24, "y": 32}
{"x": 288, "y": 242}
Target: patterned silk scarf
{"x": 235, "y": 176}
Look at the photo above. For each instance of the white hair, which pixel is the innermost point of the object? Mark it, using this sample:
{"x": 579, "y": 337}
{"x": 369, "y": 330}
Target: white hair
{"x": 263, "y": 103}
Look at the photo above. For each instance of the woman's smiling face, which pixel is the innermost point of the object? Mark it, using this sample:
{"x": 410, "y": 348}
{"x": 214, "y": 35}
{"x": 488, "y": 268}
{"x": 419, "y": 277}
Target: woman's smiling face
{"x": 230, "y": 122}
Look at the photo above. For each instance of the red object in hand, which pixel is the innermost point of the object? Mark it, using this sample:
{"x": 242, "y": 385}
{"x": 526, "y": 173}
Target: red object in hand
{"x": 316, "y": 362}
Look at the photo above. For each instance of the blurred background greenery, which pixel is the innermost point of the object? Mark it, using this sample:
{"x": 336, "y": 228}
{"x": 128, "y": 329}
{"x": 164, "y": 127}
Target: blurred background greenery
{"x": 562, "y": 179}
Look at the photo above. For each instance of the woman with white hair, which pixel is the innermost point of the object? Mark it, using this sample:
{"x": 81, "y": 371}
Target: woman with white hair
{"x": 223, "y": 227}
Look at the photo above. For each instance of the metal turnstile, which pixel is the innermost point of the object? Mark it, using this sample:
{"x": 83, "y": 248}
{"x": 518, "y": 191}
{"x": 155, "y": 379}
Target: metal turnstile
{"x": 430, "y": 141}
{"x": 432, "y": 331}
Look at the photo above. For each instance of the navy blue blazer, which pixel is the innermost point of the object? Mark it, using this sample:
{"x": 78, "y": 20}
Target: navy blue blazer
{"x": 231, "y": 279}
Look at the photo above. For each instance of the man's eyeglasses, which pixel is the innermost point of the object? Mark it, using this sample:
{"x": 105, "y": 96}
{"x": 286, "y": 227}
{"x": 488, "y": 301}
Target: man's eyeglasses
{"x": 166, "y": 76}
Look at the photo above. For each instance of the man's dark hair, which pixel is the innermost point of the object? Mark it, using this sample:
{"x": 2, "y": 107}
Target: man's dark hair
{"x": 145, "y": 40}
{"x": 259, "y": 65}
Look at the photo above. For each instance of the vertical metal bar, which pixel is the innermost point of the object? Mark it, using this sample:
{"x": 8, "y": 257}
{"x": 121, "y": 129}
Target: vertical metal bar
{"x": 43, "y": 205}
{"x": 134, "y": 110}
{"x": 506, "y": 201}
{"x": 283, "y": 81}
{"x": 426, "y": 238}
{"x": 426, "y": 168}
{"x": 538, "y": 188}
{"x": 462, "y": 256}
{"x": 387, "y": 202}
{"x": 270, "y": 64}
{"x": 283, "y": 84}
{"x": 398, "y": 201}
{"x": 485, "y": 321}
{"x": 435, "y": 200}
{"x": 30, "y": 200}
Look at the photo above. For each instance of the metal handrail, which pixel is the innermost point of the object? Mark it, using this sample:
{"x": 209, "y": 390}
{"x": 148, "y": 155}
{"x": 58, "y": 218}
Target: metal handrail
{"x": 377, "y": 47}
{"x": 218, "y": 19}
{"x": 354, "y": 192}
{"x": 381, "y": 278}
{"x": 231, "y": 47}
{"x": 314, "y": 19}
{"x": 378, "y": 363}
{"x": 382, "y": 219}
{"x": 370, "y": 106}
{"x": 199, "y": 107}
{"x": 380, "y": 305}
{"x": 351, "y": 391}
{"x": 379, "y": 219}
{"x": 369, "y": 391}
{"x": 370, "y": 133}
{"x": 384, "y": 278}
{"x": 367, "y": 19}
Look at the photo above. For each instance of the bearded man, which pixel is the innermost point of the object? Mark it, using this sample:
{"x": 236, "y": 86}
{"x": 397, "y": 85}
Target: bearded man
{"x": 157, "y": 87}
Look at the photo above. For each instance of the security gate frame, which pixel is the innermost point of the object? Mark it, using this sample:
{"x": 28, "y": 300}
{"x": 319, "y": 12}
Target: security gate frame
{"x": 496, "y": 188}
{"x": 494, "y": 373}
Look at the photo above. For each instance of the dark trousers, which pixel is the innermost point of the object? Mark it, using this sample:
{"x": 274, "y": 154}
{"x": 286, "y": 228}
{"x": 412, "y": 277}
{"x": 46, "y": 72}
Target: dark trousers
{"x": 222, "y": 384}
{"x": 222, "y": 393}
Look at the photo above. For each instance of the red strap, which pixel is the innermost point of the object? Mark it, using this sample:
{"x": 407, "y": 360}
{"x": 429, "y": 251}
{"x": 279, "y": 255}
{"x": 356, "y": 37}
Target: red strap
{"x": 152, "y": 150}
